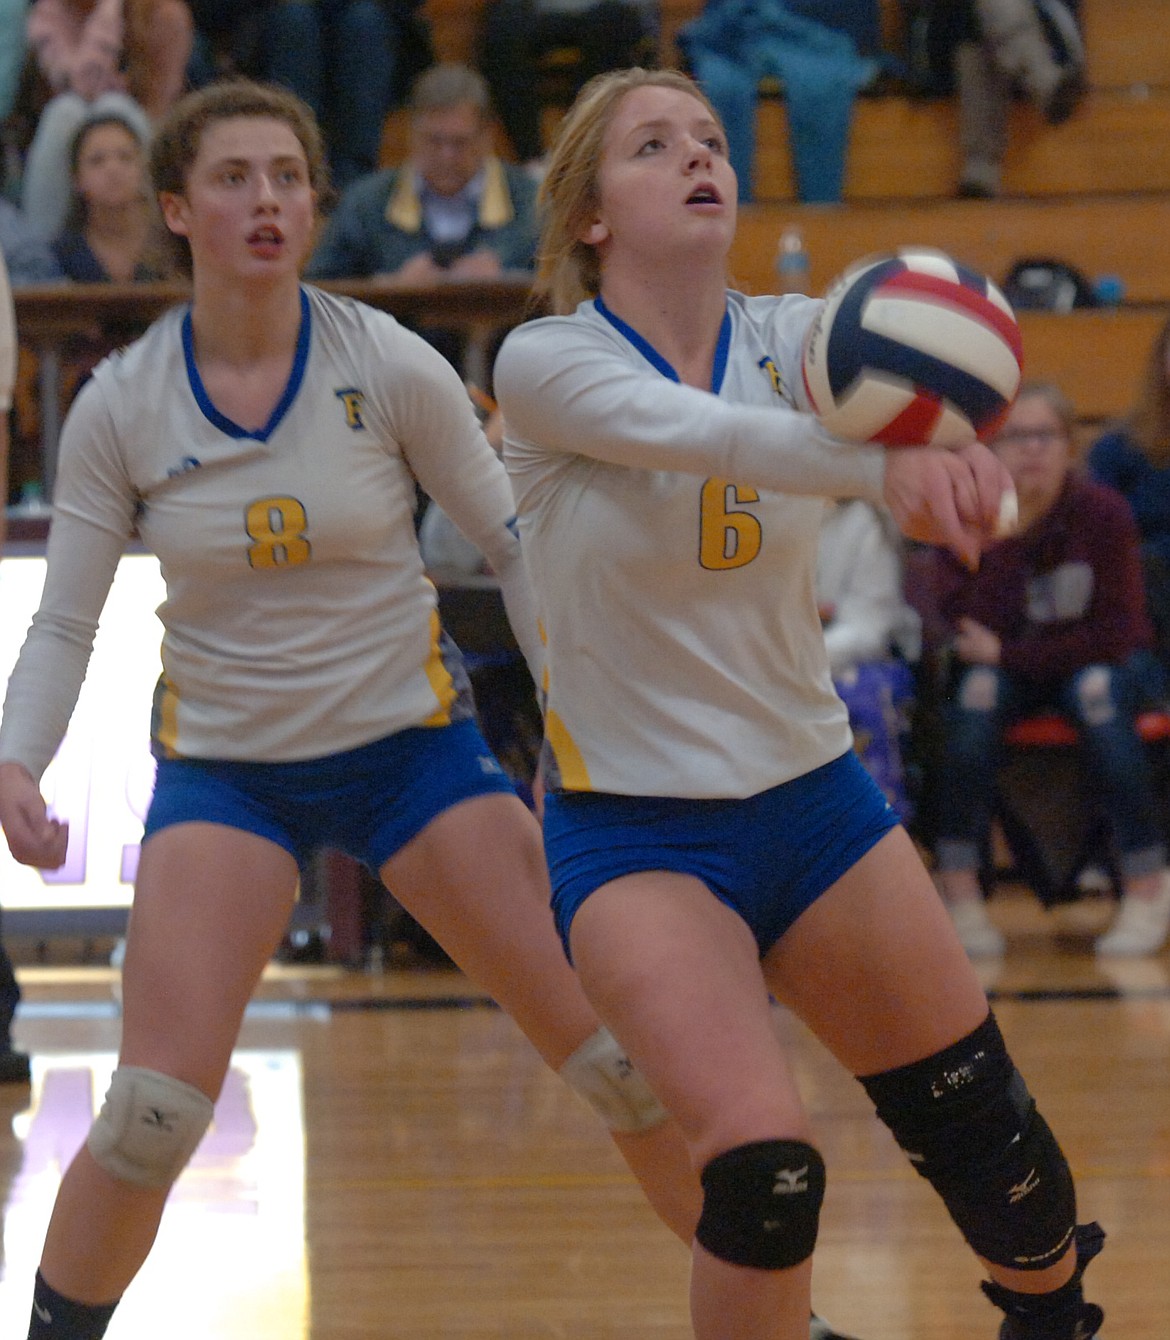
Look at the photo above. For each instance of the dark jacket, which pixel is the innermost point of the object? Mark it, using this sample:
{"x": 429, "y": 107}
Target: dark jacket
{"x": 378, "y": 225}
{"x": 1061, "y": 595}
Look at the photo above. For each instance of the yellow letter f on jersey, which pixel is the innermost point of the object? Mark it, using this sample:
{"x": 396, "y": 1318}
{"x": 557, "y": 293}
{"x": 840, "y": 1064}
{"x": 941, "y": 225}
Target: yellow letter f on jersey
{"x": 353, "y": 400}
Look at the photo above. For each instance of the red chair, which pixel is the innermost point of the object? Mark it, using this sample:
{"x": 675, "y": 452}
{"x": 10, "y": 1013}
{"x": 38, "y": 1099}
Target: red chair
{"x": 1046, "y": 805}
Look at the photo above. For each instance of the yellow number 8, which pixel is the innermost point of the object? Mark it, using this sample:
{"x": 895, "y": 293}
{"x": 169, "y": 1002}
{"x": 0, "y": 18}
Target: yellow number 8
{"x": 277, "y": 526}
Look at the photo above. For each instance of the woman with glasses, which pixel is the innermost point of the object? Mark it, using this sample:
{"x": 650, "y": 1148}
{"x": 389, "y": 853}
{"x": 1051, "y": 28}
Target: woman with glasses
{"x": 1053, "y": 618}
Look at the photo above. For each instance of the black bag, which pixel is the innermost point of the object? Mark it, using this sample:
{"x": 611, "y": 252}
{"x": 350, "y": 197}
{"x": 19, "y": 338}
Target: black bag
{"x": 1042, "y": 284}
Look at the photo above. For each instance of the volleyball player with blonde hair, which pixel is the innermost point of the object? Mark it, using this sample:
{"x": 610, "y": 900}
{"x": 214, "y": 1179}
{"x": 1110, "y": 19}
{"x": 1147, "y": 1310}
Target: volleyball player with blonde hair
{"x": 712, "y": 839}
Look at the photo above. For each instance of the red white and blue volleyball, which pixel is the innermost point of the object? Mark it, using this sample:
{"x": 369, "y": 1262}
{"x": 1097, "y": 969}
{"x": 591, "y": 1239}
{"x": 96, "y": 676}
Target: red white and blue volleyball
{"x": 913, "y": 349}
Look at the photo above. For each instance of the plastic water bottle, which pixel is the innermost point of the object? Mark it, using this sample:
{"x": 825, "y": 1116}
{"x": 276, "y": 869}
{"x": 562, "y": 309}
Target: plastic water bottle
{"x": 32, "y": 499}
{"x": 792, "y": 268}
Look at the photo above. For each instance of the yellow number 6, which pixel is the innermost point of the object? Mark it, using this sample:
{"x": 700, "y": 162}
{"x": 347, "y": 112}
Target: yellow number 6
{"x": 727, "y": 538}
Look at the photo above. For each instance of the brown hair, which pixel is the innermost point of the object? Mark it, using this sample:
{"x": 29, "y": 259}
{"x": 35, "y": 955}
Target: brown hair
{"x": 568, "y": 269}
{"x": 1148, "y": 422}
{"x": 1057, "y": 402}
{"x": 177, "y": 141}
{"x": 78, "y": 215}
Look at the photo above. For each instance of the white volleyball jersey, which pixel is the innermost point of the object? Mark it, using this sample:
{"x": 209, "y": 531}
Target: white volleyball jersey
{"x": 671, "y": 534}
{"x": 298, "y": 619}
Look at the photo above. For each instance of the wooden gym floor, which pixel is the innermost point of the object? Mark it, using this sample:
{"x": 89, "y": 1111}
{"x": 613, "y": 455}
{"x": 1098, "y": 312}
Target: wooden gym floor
{"x": 390, "y": 1161}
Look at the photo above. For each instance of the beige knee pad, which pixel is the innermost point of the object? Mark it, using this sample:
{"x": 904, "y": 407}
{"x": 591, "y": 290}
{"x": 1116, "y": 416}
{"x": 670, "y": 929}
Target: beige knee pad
{"x": 149, "y": 1126}
{"x": 605, "y": 1077}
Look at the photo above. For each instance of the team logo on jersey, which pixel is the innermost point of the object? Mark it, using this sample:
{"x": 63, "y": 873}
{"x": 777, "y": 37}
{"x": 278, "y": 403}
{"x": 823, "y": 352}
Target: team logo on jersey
{"x": 185, "y": 466}
{"x": 774, "y": 375}
{"x": 354, "y": 402}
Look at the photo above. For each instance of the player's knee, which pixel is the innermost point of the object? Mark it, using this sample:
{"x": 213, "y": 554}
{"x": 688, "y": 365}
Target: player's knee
{"x": 762, "y": 1204}
{"x": 149, "y": 1126}
{"x": 969, "y": 1125}
{"x": 601, "y": 1072}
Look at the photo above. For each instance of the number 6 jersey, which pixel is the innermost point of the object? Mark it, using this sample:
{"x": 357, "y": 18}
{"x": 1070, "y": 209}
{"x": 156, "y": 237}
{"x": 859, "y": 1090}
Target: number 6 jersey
{"x": 671, "y": 535}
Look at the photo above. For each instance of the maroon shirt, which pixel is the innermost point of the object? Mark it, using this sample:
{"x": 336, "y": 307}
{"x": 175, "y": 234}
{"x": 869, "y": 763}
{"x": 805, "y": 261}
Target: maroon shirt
{"x": 1066, "y": 593}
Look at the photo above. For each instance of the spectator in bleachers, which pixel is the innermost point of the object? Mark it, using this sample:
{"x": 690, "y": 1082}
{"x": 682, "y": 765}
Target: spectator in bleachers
{"x": 1134, "y": 457}
{"x": 110, "y": 230}
{"x": 516, "y": 35}
{"x": 1054, "y": 618}
{"x": 13, "y": 40}
{"x": 350, "y": 60}
{"x": 1005, "y": 47}
{"x": 822, "y": 52}
{"x": 111, "y": 233}
{"x": 124, "y": 56}
{"x": 452, "y": 211}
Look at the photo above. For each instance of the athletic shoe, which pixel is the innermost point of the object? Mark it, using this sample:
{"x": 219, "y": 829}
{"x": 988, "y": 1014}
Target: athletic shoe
{"x": 979, "y": 179}
{"x": 978, "y": 936}
{"x": 1141, "y": 926}
{"x": 819, "y": 1329}
{"x": 1085, "y": 1327}
{"x": 1061, "y": 1315}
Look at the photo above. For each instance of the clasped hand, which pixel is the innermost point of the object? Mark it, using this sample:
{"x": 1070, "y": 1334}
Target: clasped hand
{"x": 952, "y": 498}
{"x": 33, "y": 837}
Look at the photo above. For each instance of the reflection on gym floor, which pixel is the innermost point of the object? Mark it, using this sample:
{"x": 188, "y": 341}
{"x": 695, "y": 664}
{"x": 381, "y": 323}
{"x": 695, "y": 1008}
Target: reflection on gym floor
{"x": 235, "y": 1218}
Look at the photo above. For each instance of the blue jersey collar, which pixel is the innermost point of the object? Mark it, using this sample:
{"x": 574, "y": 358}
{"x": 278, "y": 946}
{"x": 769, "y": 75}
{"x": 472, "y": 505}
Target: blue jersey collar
{"x": 647, "y": 350}
{"x": 295, "y": 377}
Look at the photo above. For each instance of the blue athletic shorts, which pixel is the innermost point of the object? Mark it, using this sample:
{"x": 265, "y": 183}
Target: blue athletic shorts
{"x": 368, "y": 802}
{"x": 768, "y": 856}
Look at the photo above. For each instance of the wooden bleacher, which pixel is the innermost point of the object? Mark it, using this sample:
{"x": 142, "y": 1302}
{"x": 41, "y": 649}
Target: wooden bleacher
{"x": 1095, "y": 192}
{"x": 906, "y": 147}
{"x": 1096, "y": 357}
{"x": 1123, "y": 235}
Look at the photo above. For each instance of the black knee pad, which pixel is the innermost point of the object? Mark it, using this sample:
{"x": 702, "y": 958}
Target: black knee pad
{"x": 762, "y": 1204}
{"x": 968, "y": 1124}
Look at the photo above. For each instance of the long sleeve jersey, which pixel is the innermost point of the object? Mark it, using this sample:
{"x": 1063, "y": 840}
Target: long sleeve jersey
{"x": 671, "y": 534}
{"x": 298, "y": 620}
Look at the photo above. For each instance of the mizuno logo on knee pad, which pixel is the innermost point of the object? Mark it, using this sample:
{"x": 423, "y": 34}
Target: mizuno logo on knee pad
{"x": 606, "y": 1078}
{"x": 791, "y": 1181}
{"x": 761, "y": 1204}
{"x": 149, "y": 1126}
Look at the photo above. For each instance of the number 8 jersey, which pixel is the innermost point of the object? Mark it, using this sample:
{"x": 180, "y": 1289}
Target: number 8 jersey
{"x": 298, "y": 620}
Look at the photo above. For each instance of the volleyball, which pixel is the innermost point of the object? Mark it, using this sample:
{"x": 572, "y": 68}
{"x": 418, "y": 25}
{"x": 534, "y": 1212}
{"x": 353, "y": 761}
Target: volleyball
{"x": 913, "y": 349}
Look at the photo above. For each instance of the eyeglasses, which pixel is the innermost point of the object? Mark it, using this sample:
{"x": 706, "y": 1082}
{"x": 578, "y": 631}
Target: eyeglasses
{"x": 1015, "y": 437}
